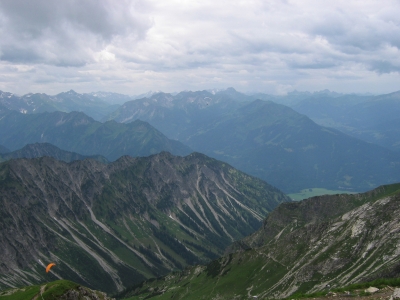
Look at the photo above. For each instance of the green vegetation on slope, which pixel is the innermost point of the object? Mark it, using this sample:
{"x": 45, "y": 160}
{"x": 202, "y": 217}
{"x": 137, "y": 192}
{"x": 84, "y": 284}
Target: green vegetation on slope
{"x": 52, "y": 291}
{"x": 302, "y": 247}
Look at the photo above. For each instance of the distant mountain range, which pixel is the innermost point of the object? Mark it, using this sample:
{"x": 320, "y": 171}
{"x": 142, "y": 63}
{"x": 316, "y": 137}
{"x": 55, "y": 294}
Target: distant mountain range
{"x": 112, "y": 225}
{"x": 267, "y": 140}
{"x": 371, "y": 118}
{"x": 95, "y": 105}
{"x": 303, "y": 247}
{"x": 111, "y": 206}
{"x": 46, "y": 149}
{"x": 259, "y": 137}
{"x": 76, "y": 132}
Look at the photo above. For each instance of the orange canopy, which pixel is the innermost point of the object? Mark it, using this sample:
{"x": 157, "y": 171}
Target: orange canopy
{"x": 49, "y": 267}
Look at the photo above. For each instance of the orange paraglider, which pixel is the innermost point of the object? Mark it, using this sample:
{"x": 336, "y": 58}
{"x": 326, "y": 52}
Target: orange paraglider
{"x": 50, "y": 265}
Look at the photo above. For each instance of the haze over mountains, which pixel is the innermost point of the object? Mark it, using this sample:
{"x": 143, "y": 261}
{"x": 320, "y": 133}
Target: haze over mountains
{"x": 120, "y": 196}
{"x": 79, "y": 133}
{"x": 46, "y": 149}
{"x": 95, "y": 105}
{"x": 267, "y": 140}
{"x": 260, "y": 137}
{"x": 370, "y": 118}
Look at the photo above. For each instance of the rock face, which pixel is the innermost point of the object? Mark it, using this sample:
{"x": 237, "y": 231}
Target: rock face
{"x": 335, "y": 240}
{"x": 110, "y": 226}
{"x": 302, "y": 247}
{"x": 396, "y": 293}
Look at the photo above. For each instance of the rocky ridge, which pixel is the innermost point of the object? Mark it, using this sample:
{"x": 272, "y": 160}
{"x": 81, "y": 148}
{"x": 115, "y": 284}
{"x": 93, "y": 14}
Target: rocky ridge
{"x": 303, "y": 247}
{"x": 109, "y": 226}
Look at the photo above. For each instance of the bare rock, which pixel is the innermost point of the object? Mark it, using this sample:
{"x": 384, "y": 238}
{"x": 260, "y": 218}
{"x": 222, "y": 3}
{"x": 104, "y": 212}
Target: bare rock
{"x": 396, "y": 293}
{"x": 371, "y": 290}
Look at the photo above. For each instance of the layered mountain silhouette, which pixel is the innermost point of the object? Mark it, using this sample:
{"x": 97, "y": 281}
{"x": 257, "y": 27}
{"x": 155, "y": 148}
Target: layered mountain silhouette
{"x": 370, "y": 118}
{"x": 267, "y": 140}
{"x": 46, "y": 149}
{"x": 76, "y": 132}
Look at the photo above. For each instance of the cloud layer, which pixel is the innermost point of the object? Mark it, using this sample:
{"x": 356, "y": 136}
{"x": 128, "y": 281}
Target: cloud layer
{"x": 135, "y": 46}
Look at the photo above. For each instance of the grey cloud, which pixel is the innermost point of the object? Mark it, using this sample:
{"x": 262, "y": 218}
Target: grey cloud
{"x": 351, "y": 32}
{"x": 66, "y": 33}
{"x": 383, "y": 66}
{"x": 312, "y": 65}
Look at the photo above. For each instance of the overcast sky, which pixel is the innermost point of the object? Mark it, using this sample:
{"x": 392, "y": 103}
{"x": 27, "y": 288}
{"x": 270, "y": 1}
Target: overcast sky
{"x": 135, "y": 46}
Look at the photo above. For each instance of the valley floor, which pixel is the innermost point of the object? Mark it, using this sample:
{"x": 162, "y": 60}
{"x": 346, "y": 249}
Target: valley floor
{"x": 312, "y": 192}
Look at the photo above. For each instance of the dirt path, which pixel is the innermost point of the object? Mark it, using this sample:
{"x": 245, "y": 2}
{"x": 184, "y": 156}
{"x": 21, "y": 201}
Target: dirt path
{"x": 383, "y": 294}
{"x": 40, "y": 293}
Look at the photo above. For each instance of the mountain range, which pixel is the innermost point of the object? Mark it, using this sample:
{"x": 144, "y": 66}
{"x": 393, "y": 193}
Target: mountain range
{"x": 76, "y": 132}
{"x": 371, "y": 118}
{"x": 303, "y": 247}
{"x": 95, "y": 105}
{"x": 222, "y": 124}
{"x": 112, "y": 225}
{"x": 267, "y": 140}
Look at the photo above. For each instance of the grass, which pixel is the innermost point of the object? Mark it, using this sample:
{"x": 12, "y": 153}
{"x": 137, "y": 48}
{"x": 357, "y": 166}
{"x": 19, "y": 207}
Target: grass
{"x": 307, "y": 193}
{"x": 57, "y": 288}
{"x": 20, "y": 294}
{"x": 52, "y": 291}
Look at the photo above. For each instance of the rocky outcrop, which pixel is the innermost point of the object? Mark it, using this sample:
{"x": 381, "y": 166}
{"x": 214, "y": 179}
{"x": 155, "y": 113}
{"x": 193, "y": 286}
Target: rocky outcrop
{"x": 84, "y": 293}
{"x": 396, "y": 293}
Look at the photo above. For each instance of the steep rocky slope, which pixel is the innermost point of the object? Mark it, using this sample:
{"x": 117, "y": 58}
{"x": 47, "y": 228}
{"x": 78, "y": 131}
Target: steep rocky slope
{"x": 109, "y": 226}
{"x": 302, "y": 247}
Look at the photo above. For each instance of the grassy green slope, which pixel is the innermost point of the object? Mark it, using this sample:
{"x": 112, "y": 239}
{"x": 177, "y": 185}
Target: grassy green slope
{"x": 52, "y": 291}
{"x": 303, "y": 246}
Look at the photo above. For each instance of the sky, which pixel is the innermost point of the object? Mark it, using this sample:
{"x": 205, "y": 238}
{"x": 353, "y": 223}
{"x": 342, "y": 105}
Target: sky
{"x": 135, "y": 46}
